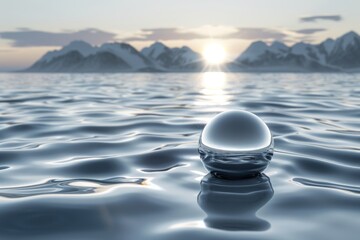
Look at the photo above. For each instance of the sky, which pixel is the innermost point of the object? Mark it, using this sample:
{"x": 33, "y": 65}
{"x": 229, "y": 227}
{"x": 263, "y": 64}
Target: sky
{"x": 30, "y": 28}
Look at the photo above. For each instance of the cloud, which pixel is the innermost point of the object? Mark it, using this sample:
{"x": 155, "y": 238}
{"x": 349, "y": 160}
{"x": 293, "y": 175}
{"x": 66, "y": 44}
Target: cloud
{"x": 162, "y": 34}
{"x": 155, "y": 34}
{"x": 25, "y": 37}
{"x": 335, "y": 18}
{"x": 211, "y": 31}
{"x": 258, "y": 33}
{"x": 309, "y": 31}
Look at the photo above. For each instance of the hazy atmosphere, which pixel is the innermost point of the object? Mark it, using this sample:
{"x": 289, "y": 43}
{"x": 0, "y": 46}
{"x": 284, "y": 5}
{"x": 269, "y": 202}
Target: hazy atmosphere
{"x": 28, "y": 29}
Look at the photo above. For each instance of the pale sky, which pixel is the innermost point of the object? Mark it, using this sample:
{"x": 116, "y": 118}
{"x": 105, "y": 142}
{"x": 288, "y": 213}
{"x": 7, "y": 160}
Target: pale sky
{"x": 29, "y": 28}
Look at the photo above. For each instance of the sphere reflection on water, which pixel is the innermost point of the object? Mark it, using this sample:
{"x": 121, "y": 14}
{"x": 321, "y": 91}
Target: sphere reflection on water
{"x": 236, "y": 144}
{"x": 232, "y": 204}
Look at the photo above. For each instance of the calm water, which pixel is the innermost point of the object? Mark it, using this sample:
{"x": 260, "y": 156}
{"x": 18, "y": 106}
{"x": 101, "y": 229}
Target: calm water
{"x": 115, "y": 157}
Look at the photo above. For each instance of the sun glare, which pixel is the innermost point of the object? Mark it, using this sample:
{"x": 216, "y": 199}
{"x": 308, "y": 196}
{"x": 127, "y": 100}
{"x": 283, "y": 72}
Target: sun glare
{"x": 214, "y": 53}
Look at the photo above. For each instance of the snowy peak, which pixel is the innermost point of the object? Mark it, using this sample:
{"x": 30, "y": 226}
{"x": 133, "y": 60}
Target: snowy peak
{"x": 127, "y": 53}
{"x": 346, "y": 51}
{"x": 82, "y": 47}
{"x": 260, "y": 49}
{"x": 348, "y": 39}
{"x": 186, "y": 54}
{"x": 278, "y": 47}
{"x": 254, "y": 51}
{"x": 154, "y": 50}
{"x": 316, "y": 53}
{"x": 328, "y": 45}
{"x": 340, "y": 54}
{"x": 165, "y": 57}
{"x": 111, "y": 57}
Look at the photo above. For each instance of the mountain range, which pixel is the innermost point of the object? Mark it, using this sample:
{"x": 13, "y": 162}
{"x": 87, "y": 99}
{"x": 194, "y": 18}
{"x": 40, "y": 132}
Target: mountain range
{"x": 332, "y": 55}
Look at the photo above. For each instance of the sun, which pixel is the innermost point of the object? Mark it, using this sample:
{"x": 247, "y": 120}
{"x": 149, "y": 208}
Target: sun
{"x": 214, "y": 53}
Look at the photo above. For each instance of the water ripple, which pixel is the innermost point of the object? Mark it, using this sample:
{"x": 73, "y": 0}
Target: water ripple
{"x": 64, "y": 138}
{"x": 72, "y": 186}
{"x": 308, "y": 182}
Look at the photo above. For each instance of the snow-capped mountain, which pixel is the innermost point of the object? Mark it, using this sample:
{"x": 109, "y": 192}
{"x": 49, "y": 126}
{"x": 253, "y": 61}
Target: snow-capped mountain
{"x": 84, "y": 48}
{"x": 79, "y": 56}
{"x": 279, "y": 57}
{"x": 74, "y": 61}
{"x": 259, "y": 49}
{"x": 154, "y": 50}
{"x": 128, "y": 53}
{"x": 345, "y": 52}
{"x": 87, "y": 58}
{"x": 341, "y": 54}
{"x": 171, "y": 58}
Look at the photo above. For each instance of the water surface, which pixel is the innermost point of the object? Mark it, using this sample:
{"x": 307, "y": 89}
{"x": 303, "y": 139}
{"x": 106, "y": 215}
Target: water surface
{"x": 114, "y": 156}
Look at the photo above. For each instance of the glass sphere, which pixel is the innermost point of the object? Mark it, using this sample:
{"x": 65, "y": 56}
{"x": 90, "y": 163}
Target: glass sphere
{"x": 236, "y": 144}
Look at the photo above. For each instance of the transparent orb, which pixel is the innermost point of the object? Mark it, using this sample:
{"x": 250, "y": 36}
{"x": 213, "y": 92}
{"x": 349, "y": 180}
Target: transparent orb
{"x": 236, "y": 144}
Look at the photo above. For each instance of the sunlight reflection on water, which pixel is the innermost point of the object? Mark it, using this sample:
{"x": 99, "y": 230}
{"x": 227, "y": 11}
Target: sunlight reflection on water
{"x": 213, "y": 85}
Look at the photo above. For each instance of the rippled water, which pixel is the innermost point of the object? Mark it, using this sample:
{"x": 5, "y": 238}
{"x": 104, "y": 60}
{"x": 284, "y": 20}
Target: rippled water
{"x": 115, "y": 157}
